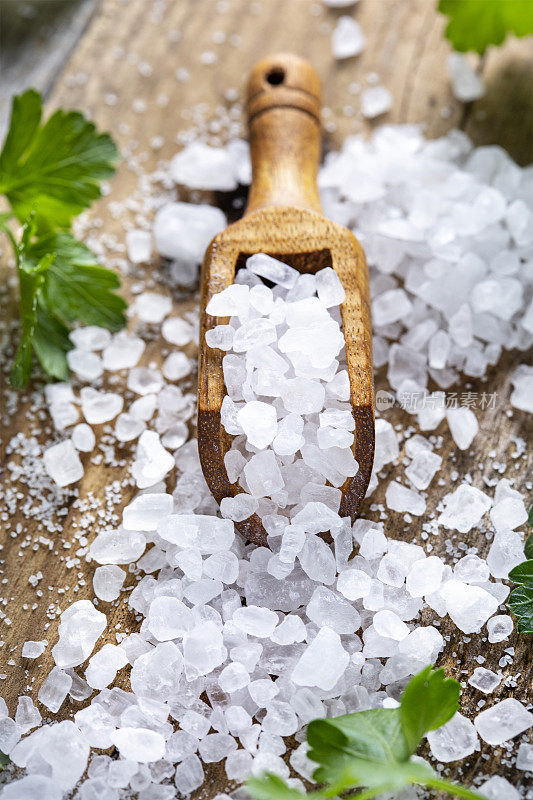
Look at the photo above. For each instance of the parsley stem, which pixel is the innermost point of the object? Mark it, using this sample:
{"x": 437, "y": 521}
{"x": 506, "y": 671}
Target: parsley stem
{"x": 453, "y": 789}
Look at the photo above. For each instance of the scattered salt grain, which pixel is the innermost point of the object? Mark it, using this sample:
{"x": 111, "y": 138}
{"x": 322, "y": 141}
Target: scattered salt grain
{"x": 503, "y": 721}
{"x": 455, "y": 740}
{"x": 63, "y": 464}
{"x": 83, "y": 437}
{"x": 347, "y": 38}
{"x": 467, "y": 85}
{"x": 108, "y": 581}
{"x": 375, "y": 100}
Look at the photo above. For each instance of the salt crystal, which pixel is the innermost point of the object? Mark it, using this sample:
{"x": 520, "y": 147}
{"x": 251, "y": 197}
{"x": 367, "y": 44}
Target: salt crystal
{"x": 182, "y": 231}
{"x": 375, "y": 100}
{"x": 90, "y": 337}
{"x": 373, "y": 544}
{"x": 98, "y": 407}
{"x": 255, "y": 621}
{"x": 468, "y": 606}
{"x": 347, "y": 38}
{"x": 83, "y": 437}
{"x": 499, "y": 628}
{"x": 26, "y": 715}
{"x": 54, "y": 690}
{"x": 63, "y": 464}
{"x": 389, "y": 625}
{"x": 177, "y": 331}
{"x": 118, "y": 546}
{"x": 464, "y": 508}
{"x": 103, "y": 666}
{"x": 108, "y": 581}
{"x": 522, "y": 394}
{"x": 498, "y": 788}
{"x": 424, "y": 643}
{"x": 312, "y": 669}
{"x": 467, "y": 85}
{"x": 200, "y": 166}
{"x": 317, "y": 560}
{"x": 63, "y": 415}
{"x": 354, "y": 584}
{"x": 422, "y": 468}
{"x": 272, "y": 269}
{"x": 152, "y": 462}
{"x": 203, "y": 649}
{"x": 263, "y": 475}
{"x": 503, "y": 721}
{"x": 424, "y": 576}
{"x": 329, "y": 288}
{"x": 189, "y": 775}
{"x": 123, "y": 352}
{"x": 524, "y": 757}
{"x": 390, "y": 307}
{"x": 145, "y": 511}
{"x": 176, "y": 366}
{"x": 81, "y": 625}
{"x": 138, "y": 246}
{"x": 327, "y": 609}
{"x": 220, "y": 337}
{"x": 9, "y": 734}
{"x": 463, "y": 426}
{"x": 169, "y": 618}
{"x": 303, "y": 396}
{"x": 238, "y": 508}
{"x": 259, "y": 423}
{"x": 254, "y": 333}
{"x": 32, "y": 649}
{"x": 128, "y": 427}
{"x": 143, "y": 380}
{"x": 484, "y": 679}
{"x": 455, "y": 740}
{"x": 139, "y": 744}
{"x": 506, "y": 552}
{"x": 400, "y": 498}
{"x": 509, "y": 513}
{"x": 87, "y": 366}
{"x": 471, "y": 569}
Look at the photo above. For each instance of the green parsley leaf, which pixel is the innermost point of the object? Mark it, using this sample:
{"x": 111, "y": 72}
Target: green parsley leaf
{"x": 54, "y": 169}
{"x": 530, "y": 517}
{"x": 476, "y": 24}
{"x": 60, "y": 281}
{"x": 520, "y": 602}
{"x": 528, "y": 547}
{"x": 347, "y": 748}
{"x": 522, "y": 573}
{"x": 429, "y": 701}
{"x": 76, "y": 286}
{"x": 373, "y": 749}
{"x": 272, "y": 787}
{"x": 4, "y": 760}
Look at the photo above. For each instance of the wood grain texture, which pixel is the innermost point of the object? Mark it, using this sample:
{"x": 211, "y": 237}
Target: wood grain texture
{"x": 283, "y": 218}
{"x": 406, "y": 49}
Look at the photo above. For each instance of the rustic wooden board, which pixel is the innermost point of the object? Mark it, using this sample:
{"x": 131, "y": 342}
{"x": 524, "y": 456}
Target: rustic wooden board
{"x": 406, "y": 49}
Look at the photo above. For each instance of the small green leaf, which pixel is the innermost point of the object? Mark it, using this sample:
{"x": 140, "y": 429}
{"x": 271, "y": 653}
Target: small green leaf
{"x": 4, "y": 760}
{"x": 520, "y": 602}
{"x": 60, "y": 281}
{"x": 54, "y": 169}
{"x": 528, "y": 547}
{"x": 522, "y": 573}
{"x": 530, "y": 517}
{"x": 347, "y": 748}
{"x": 76, "y": 287}
{"x": 271, "y": 787}
{"x": 476, "y": 24}
{"x": 429, "y": 701}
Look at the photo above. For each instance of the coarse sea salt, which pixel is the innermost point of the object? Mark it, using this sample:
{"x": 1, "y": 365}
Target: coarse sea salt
{"x": 230, "y": 679}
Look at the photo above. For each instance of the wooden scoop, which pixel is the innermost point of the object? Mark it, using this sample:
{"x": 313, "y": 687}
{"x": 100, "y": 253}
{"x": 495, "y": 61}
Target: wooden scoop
{"x": 284, "y": 219}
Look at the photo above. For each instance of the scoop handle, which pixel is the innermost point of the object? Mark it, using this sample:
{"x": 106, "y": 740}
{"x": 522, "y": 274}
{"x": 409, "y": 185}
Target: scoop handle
{"x": 284, "y": 123}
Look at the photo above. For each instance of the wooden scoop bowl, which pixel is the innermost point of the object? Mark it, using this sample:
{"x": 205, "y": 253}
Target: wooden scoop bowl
{"x": 283, "y": 218}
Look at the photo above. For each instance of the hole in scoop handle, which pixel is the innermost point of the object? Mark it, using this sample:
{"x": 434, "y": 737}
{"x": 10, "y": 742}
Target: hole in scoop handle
{"x": 284, "y": 122}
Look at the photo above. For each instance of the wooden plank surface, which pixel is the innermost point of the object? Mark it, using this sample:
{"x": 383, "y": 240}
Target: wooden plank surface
{"x": 123, "y": 73}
